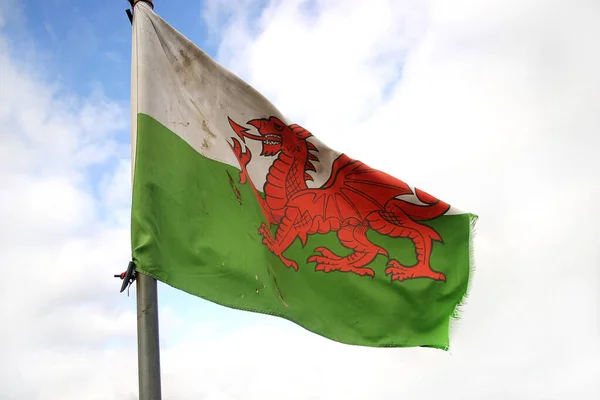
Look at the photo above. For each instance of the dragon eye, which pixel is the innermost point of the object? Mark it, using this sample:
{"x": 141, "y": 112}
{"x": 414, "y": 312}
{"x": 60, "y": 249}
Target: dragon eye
{"x": 278, "y": 127}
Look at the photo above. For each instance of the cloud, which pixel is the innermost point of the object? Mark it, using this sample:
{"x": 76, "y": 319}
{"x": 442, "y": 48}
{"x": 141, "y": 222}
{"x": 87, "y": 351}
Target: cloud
{"x": 496, "y": 112}
{"x": 491, "y": 106}
{"x": 307, "y": 53}
{"x": 63, "y": 324}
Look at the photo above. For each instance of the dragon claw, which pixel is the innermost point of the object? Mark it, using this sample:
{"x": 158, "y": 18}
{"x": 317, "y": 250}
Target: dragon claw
{"x": 243, "y": 158}
{"x": 274, "y": 247}
{"x": 264, "y": 231}
{"x": 267, "y": 238}
{"x": 325, "y": 252}
{"x": 401, "y": 273}
{"x": 328, "y": 262}
{"x": 290, "y": 263}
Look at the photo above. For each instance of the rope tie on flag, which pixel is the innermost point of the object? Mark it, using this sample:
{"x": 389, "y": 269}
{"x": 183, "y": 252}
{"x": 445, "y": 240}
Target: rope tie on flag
{"x": 127, "y": 277}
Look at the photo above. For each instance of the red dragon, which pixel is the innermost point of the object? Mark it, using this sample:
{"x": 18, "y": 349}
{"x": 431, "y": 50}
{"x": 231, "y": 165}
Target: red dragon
{"x": 354, "y": 199}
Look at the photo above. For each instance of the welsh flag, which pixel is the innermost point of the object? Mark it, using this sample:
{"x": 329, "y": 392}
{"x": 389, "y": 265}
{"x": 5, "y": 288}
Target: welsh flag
{"x": 236, "y": 204}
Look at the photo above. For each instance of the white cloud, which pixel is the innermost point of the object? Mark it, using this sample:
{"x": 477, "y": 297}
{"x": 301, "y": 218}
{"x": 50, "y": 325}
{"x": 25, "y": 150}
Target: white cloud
{"x": 307, "y": 54}
{"x": 496, "y": 112}
{"x": 63, "y": 323}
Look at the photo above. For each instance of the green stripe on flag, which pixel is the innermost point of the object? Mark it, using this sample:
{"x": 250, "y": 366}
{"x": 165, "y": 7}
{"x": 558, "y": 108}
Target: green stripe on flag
{"x": 195, "y": 228}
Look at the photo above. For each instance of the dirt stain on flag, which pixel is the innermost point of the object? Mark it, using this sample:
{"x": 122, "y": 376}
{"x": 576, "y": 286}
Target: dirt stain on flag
{"x": 236, "y": 191}
{"x": 206, "y": 129}
{"x": 186, "y": 61}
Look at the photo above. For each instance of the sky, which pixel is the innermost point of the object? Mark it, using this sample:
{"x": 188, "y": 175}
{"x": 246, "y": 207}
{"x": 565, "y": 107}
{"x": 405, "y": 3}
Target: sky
{"x": 491, "y": 106}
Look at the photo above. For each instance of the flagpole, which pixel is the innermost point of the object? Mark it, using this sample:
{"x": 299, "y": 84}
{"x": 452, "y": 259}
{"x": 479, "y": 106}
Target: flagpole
{"x": 148, "y": 341}
{"x": 147, "y": 322}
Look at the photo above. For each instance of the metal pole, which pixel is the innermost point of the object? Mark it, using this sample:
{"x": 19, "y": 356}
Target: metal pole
{"x": 147, "y": 323}
{"x": 148, "y": 342}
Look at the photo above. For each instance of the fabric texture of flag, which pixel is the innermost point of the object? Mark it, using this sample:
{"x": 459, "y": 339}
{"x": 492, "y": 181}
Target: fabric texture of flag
{"x": 234, "y": 203}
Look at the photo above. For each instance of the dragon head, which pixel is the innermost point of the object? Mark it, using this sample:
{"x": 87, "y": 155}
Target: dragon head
{"x": 274, "y": 134}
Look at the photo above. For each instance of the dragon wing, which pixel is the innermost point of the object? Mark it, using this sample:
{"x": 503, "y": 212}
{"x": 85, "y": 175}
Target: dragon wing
{"x": 353, "y": 190}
